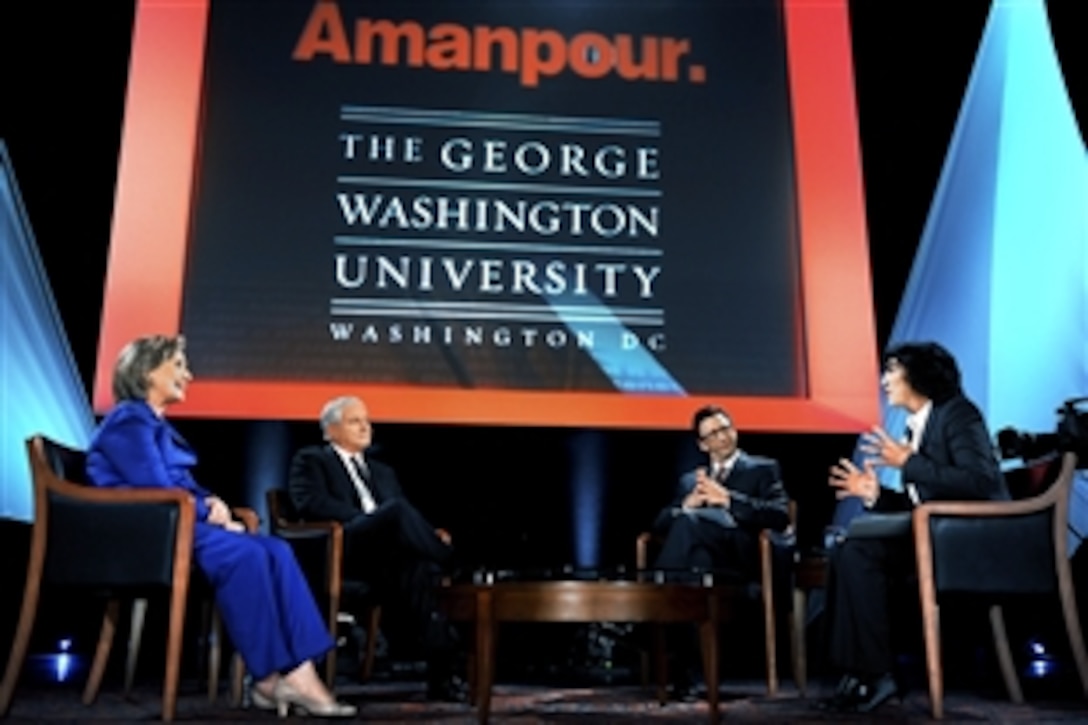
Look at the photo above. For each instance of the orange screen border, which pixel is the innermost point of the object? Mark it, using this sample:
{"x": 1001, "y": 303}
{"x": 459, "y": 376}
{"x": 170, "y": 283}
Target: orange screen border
{"x": 152, "y": 213}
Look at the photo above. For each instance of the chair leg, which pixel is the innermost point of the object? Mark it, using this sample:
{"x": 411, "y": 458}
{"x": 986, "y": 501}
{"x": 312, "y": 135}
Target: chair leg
{"x": 1072, "y": 621}
{"x": 178, "y": 595}
{"x": 215, "y": 653}
{"x": 770, "y": 636}
{"x": 237, "y": 680}
{"x": 330, "y": 659}
{"x": 27, "y": 613}
{"x": 473, "y": 673}
{"x": 661, "y": 663}
{"x": 1004, "y": 655}
{"x": 102, "y": 650}
{"x": 135, "y": 634}
{"x": 931, "y": 626}
{"x": 371, "y": 642}
{"x": 797, "y": 640}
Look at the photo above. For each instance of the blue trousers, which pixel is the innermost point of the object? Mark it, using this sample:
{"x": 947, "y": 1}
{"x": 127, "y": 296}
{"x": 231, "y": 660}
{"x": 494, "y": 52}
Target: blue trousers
{"x": 266, "y": 605}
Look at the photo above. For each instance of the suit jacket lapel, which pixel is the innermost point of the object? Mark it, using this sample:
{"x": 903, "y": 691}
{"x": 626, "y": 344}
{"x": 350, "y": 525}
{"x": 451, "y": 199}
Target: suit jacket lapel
{"x": 377, "y": 485}
{"x": 341, "y": 476}
{"x": 739, "y": 466}
{"x": 930, "y": 434}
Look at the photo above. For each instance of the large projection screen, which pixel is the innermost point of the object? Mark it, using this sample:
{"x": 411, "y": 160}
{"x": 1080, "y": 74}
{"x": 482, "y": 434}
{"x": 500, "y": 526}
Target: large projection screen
{"x": 549, "y": 212}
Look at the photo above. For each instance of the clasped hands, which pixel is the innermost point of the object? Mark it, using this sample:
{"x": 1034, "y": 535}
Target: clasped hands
{"x": 707, "y": 492}
{"x": 219, "y": 515}
{"x": 880, "y": 449}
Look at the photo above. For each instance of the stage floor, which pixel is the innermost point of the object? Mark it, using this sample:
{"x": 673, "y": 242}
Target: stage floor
{"x": 403, "y": 701}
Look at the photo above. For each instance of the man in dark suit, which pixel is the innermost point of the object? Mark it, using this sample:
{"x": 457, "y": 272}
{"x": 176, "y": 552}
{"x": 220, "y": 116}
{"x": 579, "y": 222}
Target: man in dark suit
{"x": 715, "y": 518}
{"x": 947, "y": 455}
{"x": 388, "y": 543}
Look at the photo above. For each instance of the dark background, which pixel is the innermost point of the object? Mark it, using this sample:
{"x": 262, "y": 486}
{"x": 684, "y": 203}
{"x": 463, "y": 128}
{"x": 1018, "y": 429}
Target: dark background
{"x": 504, "y": 492}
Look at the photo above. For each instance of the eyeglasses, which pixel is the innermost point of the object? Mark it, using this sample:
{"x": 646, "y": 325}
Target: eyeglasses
{"x": 720, "y": 430}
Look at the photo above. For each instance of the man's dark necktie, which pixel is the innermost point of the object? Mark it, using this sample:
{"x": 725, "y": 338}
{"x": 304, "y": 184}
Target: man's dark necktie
{"x": 909, "y": 488}
{"x": 362, "y": 491}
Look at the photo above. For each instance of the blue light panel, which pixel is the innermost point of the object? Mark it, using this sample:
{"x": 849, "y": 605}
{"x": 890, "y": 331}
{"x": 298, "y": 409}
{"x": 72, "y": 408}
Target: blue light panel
{"x": 999, "y": 277}
{"x": 40, "y": 389}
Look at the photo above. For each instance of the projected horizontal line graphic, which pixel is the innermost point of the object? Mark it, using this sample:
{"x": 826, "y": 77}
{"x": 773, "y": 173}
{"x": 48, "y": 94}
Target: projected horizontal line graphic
{"x": 496, "y": 311}
{"x": 519, "y": 121}
{"x": 491, "y": 245}
{"x": 498, "y": 186}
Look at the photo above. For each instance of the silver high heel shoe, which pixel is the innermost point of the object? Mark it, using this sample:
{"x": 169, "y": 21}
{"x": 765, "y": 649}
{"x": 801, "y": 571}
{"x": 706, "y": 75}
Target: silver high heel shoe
{"x": 288, "y": 698}
{"x": 261, "y": 701}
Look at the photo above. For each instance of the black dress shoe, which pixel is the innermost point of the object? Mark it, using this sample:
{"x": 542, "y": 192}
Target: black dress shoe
{"x": 880, "y": 691}
{"x": 447, "y": 689}
{"x": 690, "y": 691}
{"x": 848, "y": 693}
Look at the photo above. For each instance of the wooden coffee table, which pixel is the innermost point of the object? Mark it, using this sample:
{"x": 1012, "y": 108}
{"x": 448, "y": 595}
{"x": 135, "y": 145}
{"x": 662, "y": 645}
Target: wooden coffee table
{"x": 487, "y": 604}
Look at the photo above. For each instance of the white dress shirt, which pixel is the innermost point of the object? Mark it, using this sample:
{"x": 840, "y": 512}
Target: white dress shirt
{"x": 350, "y": 462}
{"x": 916, "y": 425}
{"x": 720, "y": 469}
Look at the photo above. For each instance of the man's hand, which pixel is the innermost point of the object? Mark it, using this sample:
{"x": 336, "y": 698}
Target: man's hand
{"x": 883, "y": 450}
{"x": 695, "y": 498}
{"x": 853, "y": 481}
{"x": 707, "y": 492}
{"x": 714, "y": 493}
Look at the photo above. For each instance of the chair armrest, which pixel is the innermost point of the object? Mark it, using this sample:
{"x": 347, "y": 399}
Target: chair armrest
{"x": 779, "y": 539}
{"x": 642, "y": 546}
{"x": 964, "y": 545}
{"x": 122, "y": 495}
{"x": 1056, "y": 495}
{"x": 118, "y": 537}
{"x": 248, "y": 517}
{"x": 978, "y": 509}
{"x": 307, "y": 529}
{"x": 304, "y": 536}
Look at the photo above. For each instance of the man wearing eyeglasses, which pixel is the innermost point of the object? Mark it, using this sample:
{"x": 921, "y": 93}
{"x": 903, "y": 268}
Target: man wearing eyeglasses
{"x": 714, "y": 521}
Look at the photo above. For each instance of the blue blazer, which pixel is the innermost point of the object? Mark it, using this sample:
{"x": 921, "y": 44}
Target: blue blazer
{"x": 133, "y": 447}
{"x": 261, "y": 593}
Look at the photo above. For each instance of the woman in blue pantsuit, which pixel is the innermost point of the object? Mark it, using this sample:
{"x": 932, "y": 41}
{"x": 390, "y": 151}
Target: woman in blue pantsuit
{"x": 265, "y": 602}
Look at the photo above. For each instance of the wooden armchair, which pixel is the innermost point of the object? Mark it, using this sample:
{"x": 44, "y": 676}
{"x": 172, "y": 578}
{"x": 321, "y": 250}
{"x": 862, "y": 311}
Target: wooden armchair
{"x": 123, "y": 541}
{"x": 319, "y": 547}
{"x": 68, "y": 466}
{"x": 994, "y": 548}
{"x": 773, "y": 546}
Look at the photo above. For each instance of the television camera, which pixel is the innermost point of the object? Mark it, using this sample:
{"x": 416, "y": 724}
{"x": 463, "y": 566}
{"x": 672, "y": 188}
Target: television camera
{"x": 1070, "y": 435}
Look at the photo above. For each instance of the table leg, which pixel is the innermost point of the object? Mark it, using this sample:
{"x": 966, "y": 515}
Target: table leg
{"x": 709, "y": 632}
{"x": 485, "y": 652}
{"x": 661, "y": 663}
{"x": 797, "y": 635}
